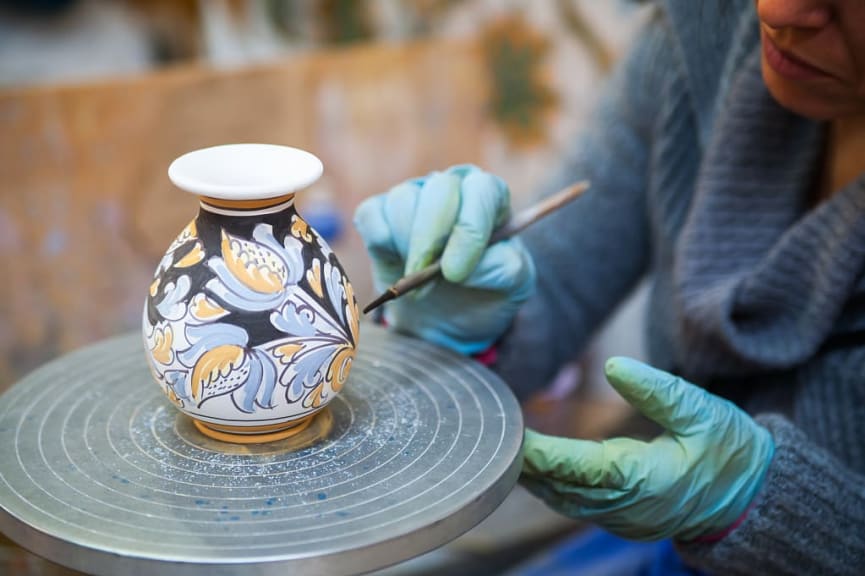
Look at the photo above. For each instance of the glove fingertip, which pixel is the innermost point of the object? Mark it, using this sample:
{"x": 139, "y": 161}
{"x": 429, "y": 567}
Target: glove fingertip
{"x": 530, "y": 436}
{"x": 372, "y": 226}
{"x": 497, "y": 189}
{"x": 672, "y": 402}
{"x": 615, "y": 366}
{"x": 626, "y": 373}
{"x": 536, "y": 452}
{"x": 488, "y": 179}
{"x": 368, "y": 209}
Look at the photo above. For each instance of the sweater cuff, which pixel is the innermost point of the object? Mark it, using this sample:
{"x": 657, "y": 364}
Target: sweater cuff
{"x": 487, "y": 357}
{"x": 717, "y": 536}
{"x": 808, "y": 518}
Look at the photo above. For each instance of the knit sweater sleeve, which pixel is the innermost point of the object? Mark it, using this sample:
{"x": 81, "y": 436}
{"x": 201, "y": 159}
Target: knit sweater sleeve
{"x": 592, "y": 252}
{"x": 809, "y": 517}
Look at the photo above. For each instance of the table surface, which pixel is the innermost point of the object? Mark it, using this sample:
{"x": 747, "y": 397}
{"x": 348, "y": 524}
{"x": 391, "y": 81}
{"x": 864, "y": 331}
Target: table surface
{"x": 101, "y": 474}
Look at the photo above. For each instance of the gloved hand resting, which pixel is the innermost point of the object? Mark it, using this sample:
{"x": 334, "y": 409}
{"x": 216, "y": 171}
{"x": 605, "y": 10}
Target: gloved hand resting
{"x": 694, "y": 480}
{"x": 450, "y": 215}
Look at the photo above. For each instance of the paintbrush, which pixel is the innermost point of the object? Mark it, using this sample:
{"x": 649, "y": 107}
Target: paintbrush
{"x": 515, "y": 225}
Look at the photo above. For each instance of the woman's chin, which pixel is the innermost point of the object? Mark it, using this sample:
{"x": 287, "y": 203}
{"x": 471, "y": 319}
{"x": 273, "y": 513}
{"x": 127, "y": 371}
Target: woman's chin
{"x": 815, "y": 102}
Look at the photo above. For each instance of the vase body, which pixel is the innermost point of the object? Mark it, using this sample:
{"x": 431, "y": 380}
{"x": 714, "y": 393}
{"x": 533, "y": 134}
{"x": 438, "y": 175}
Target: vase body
{"x": 250, "y": 324}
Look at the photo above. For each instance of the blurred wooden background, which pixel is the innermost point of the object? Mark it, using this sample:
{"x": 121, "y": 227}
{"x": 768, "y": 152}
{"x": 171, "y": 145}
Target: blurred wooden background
{"x": 86, "y": 209}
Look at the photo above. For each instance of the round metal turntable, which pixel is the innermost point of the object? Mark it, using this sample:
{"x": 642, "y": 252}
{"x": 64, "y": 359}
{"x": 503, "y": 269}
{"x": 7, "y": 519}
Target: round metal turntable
{"x": 98, "y": 472}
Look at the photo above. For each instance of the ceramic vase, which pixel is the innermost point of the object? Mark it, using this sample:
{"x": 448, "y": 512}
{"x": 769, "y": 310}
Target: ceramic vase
{"x": 251, "y": 323}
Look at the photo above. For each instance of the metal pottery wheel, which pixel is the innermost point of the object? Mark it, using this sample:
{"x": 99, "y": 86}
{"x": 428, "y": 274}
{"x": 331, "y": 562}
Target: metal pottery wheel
{"x": 100, "y": 473}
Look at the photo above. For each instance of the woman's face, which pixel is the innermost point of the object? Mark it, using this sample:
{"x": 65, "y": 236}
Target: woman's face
{"x": 814, "y": 55}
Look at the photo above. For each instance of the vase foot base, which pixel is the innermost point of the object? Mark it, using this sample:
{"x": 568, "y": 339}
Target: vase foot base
{"x": 252, "y": 434}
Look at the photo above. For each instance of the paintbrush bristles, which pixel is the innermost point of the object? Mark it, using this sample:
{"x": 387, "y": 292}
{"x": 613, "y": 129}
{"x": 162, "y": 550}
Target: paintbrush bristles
{"x": 515, "y": 225}
{"x": 386, "y": 296}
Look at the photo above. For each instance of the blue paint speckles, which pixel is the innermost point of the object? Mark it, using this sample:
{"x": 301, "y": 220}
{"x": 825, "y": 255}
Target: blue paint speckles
{"x": 342, "y": 513}
{"x": 321, "y": 496}
{"x": 234, "y": 518}
{"x": 200, "y": 502}
{"x": 270, "y": 501}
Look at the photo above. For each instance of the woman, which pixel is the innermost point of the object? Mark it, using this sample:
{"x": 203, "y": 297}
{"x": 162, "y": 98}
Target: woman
{"x": 727, "y": 161}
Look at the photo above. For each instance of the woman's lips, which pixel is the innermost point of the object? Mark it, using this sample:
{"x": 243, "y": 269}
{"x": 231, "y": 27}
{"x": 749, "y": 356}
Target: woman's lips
{"x": 788, "y": 65}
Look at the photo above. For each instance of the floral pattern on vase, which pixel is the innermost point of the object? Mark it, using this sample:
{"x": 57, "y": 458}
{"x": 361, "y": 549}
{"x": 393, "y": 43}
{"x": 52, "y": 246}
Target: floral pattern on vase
{"x": 250, "y": 320}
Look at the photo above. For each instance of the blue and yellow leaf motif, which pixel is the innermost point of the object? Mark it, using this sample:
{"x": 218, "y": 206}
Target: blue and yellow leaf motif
{"x": 197, "y": 351}
{"x": 296, "y": 318}
{"x": 334, "y": 289}
{"x": 302, "y": 363}
{"x": 172, "y": 306}
{"x": 178, "y": 383}
{"x": 161, "y": 343}
{"x": 255, "y": 274}
{"x": 208, "y": 336}
{"x": 221, "y": 370}
{"x": 192, "y": 257}
{"x": 260, "y": 384}
{"x": 189, "y": 233}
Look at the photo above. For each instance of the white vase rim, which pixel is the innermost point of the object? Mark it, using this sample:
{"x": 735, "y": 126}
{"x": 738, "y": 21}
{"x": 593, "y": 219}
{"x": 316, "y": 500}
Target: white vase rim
{"x": 245, "y": 171}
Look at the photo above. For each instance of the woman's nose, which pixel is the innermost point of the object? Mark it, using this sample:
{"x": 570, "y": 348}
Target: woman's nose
{"x": 795, "y": 13}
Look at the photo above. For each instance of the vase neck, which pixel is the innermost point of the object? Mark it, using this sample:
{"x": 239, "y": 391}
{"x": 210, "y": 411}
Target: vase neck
{"x": 247, "y": 207}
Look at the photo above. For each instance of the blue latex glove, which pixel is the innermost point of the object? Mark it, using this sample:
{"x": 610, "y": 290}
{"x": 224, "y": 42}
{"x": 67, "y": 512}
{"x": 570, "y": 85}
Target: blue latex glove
{"x": 695, "y": 479}
{"x": 450, "y": 215}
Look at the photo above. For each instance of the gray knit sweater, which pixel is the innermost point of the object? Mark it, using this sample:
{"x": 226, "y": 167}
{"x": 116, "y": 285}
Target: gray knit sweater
{"x": 703, "y": 182}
